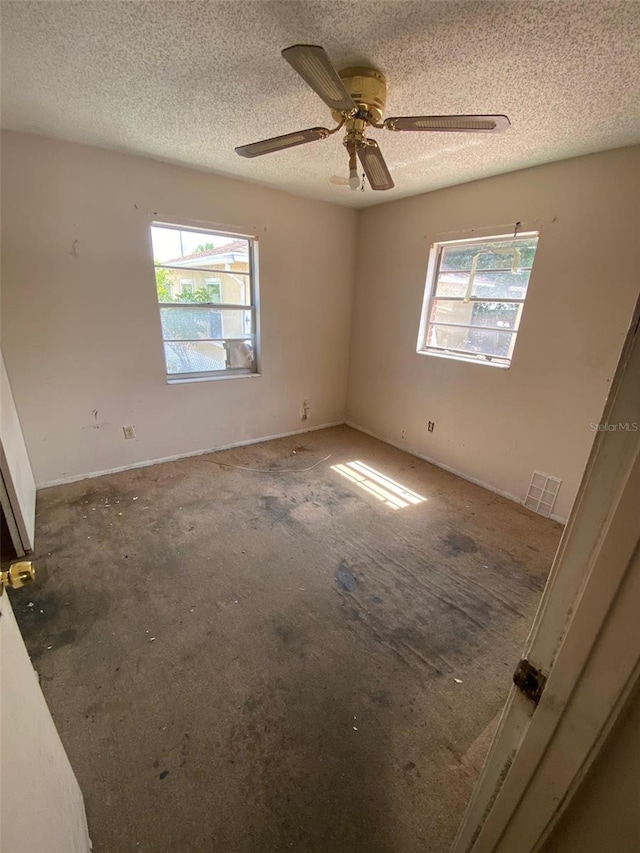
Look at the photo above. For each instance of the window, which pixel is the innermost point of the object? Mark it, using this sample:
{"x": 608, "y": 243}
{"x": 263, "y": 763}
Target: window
{"x": 474, "y": 298}
{"x": 213, "y": 287}
{"x": 209, "y": 319}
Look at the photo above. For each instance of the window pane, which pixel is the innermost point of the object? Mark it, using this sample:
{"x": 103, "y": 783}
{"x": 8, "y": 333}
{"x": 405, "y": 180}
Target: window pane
{"x": 197, "y": 248}
{"x": 500, "y": 314}
{"x": 180, "y": 285}
{"x": 492, "y": 254}
{"x": 472, "y": 341}
{"x": 507, "y": 285}
{"x": 452, "y": 284}
{"x": 492, "y": 284}
{"x": 191, "y": 323}
{"x": 208, "y": 356}
{"x": 451, "y": 312}
{"x": 195, "y": 357}
{"x": 497, "y": 314}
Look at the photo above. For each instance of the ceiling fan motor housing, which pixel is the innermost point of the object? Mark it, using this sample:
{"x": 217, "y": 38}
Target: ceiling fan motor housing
{"x": 368, "y": 88}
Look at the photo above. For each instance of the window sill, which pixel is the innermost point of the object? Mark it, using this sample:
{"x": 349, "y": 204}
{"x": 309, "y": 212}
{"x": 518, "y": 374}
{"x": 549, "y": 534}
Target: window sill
{"x": 188, "y": 379}
{"x": 467, "y": 360}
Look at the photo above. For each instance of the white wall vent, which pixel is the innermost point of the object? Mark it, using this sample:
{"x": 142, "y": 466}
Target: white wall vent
{"x": 542, "y": 493}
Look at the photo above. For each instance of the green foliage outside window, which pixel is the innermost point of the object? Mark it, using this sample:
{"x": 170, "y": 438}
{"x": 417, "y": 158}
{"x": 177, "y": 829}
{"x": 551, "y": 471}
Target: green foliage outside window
{"x": 163, "y": 286}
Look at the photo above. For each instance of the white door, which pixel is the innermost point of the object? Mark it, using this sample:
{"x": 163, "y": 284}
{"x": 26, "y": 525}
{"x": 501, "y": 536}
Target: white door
{"x": 585, "y": 641}
{"x": 41, "y": 807}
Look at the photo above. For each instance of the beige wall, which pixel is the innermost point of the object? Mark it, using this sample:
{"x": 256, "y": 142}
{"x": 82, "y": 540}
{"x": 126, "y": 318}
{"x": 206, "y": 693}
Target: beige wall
{"x": 81, "y": 329}
{"x": 495, "y": 425}
{"x": 604, "y": 816}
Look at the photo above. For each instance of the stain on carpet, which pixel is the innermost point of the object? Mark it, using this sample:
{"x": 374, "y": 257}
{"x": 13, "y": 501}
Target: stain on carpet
{"x": 458, "y": 543}
{"x": 346, "y": 581}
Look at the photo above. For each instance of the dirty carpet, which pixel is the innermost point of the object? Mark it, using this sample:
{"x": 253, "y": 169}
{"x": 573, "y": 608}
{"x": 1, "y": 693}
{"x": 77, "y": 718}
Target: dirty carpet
{"x": 310, "y": 659}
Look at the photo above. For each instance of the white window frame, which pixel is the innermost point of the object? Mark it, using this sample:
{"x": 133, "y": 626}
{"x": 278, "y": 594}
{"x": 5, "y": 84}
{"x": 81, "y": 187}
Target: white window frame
{"x": 430, "y": 294}
{"x": 253, "y": 306}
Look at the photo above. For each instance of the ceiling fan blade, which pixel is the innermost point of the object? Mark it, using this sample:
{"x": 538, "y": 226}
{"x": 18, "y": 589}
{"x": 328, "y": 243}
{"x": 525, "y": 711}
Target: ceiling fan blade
{"x": 279, "y": 143}
{"x": 314, "y": 66}
{"x": 375, "y": 167}
{"x": 449, "y": 124}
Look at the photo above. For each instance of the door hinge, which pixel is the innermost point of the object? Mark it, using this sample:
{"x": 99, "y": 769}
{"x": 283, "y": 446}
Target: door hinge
{"x": 529, "y": 680}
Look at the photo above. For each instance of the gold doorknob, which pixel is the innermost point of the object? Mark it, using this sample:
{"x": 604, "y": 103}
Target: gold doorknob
{"x": 18, "y": 575}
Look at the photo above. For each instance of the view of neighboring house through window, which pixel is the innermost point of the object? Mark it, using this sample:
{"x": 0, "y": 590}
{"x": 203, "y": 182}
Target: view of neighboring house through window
{"x": 213, "y": 287}
{"x": 475, "y": 296}
{"x": 206, "y": 293}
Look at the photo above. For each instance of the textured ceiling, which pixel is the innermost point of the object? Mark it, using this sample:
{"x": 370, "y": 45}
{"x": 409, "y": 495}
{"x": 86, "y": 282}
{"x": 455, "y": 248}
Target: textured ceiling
{"x": 186, "y": 81}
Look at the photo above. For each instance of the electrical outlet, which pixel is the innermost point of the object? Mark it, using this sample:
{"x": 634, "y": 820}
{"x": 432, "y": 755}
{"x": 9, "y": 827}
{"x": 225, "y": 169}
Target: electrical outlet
{"x": 304, "y": 411}
{"x": 129, "y": 432}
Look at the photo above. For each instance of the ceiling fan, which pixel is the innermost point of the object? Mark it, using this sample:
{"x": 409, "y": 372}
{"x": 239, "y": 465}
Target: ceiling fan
{"x": 357, "y": 97}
